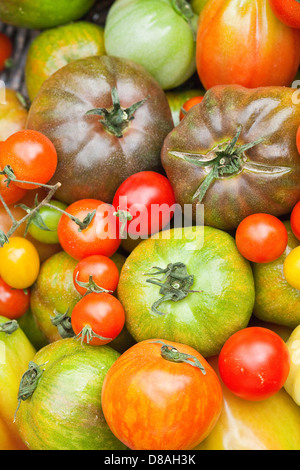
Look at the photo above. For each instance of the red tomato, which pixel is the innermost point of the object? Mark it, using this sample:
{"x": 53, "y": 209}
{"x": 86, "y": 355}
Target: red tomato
{"x": 31, "y": 155}
{"x": 102, "y": 269}
{"x": 6, "y": 50}
{"x": 295, "y": 220}
{"x": 144, "y": 202}
{"x": 287, "y": 11}
{"x": 99, "y": 238}
{"x": 188, "y": 105}
{"x": 254, "y": 363}
{"x": 13, "y": 302}
{"x": 11, "y": 193}
{"x": 98, "y": 318}
{"x": 261, "y": 238}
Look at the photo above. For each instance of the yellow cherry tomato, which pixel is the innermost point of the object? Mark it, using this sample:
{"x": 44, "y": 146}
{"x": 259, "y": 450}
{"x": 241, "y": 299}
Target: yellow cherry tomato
{"x": 291, "y": 268}
{"x": 19, "y": 263}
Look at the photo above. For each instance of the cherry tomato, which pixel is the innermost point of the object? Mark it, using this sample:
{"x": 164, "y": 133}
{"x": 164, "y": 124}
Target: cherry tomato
{"x": 11, "y": 193}
{"x": 31, "y": 155}
{"x": 287, "y": 11}
{"x": 6, "y": 50}
{"x": 50, "y": 217}
{"x": 100, "y": 236}
{"x": 13, "y": 302}
{"x": 261, "y": 238}
{"x": 188, "y": 105}
{"x": 144, "y": 203}
{"x": 98, "y": 318}
{"x": 103, "y": 270}
{"x": 254, "y": 363}
{"x": 19, "y": 263}
{"x": 295, "y": 220}
{"x": 291, "y": 268}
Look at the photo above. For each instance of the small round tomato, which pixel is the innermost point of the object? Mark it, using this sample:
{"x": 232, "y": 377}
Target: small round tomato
{"x": 144, "y": 203}
{"x": 13, "y": 302}
{"x": 6, "y": 50}
{"x": 11, "y": 193}
{"x": 98, "y": 238}
{"x": 287, "y": 11}
{"x": 254, "y": 363}
{"x": 50, "y": 217}
{"x": 261, "y": 238}
{"x": 19, "y": 263}
{"x": 291, "y": 268}
{"x": 32, "y": 157}
{"x": 190, "y": 103}
{"x": 295, "y": 220}
{"x": 98, "y": 318}
{"x": 101, "y": 269}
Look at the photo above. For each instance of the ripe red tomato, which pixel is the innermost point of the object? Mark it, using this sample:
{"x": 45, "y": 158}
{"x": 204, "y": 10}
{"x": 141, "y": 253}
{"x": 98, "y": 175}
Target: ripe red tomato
{"x": 6, "y": 50}
{"x": 102, "y": 269}
{"x": 261, "y": 238}
{"x": 13, "y": 302}
{"x": 144, "y": 202}
{"x": 11, "y": 193}
{"x": 188, "y": 105}
{"x": 254, "y": 363}
{"x": 100, "y": 236}
{"x": 287, "y": 11}
{"x": 295, "y": 220}
{"x": 98, "y": 318}
{"x": 31, "y": 155}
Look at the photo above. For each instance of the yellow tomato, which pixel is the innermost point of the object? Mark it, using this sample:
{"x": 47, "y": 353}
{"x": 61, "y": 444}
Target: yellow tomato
{"x": 291, "y": 268}
{"x": 19, "y": 263}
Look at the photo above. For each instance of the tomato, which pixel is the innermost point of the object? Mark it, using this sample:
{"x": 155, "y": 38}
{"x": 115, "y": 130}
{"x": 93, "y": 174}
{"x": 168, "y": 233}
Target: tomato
{"x": 48, "y": 218}
{"x": 56, "y": 47}
{"x": 11, "y": 193}
{"x": 188, "y": 105}
{"x": 238, "y": 43}
{"x": 13, "y": 302}
{"x": 291, "y": 268}
{"x": 161, "y": 395}
{"x": 102, "y": 269}
{"x": 177, "y": 98}
{"x": 287, "y": 11}
{"x": 261, "y": 238}
{"x": 98, "y": 318}
{"x": 198, "y": 5}
{"x": 31, "y": 155}
{"x": 121, "y": 123}
{"x": 99, "y": 238}
{"x": 295, "y": 220}
{"x": 291, "y": 385}
{"x": 161, "y": 37}
{"x": 144, "y": 203}
{"x": 254, "y": 363}
{"x": 6, "y": 50}
{"x": 13, "y": 114}
{"x": 19, "y": 263}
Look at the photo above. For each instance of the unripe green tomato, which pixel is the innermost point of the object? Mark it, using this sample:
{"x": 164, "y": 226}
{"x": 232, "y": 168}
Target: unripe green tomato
{"x": 50, "y": 217}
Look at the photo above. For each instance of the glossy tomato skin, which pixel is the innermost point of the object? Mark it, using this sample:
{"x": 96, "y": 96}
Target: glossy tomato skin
{"x": 269, "y": 174}
{"x": 287, "y": 11}
{"x": 13, "y": 302}
{"x": 50, "y": 217}
{"x": 295, "y": 220}
{"x": 291, "y": 268}
{"x": 238, "y": 43}
{"x": 102, "y": 269}
{"x": 92, "y": 162}
{"x": 151, "y": 403}
{"x": 254, "y": 363}
{"x": 6, "y": 50}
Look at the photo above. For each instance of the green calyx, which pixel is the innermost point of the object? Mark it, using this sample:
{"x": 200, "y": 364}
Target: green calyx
{"x": 87, "y": 334}
{"x": 91, "y": 286}
{"x": 184, "y": 9}
{"x": 170, "y": 353}
{"x": 117, "y": 119}
{"x": 174, "y": 285}
{"x": 29, "y": 382}
{"x": 9, "y": 327}
{"x": 63, "y": 323}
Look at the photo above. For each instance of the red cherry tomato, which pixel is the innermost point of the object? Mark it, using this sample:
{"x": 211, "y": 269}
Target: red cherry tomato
{"x": 295, "y": 220}
{"x": 11, "y": 193}
{"x": 6, "y": 50}
{"x": 261, "y": 238}
{"x": 31, "y": 155}
{"x": 254, "y": 363}
{"x": 102, "y": 269}
{"x": 13, "y": 302}
{"x": 98, "y": 318}
{"x": 190, "y": 103}
{"x": 146, "y": 199}
{"x": 287, "y": 11}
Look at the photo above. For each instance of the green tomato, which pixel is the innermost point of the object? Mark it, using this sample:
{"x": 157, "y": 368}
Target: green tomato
{"x": 198, "y": 5}
{"x": 50, "y": 217}
{"x": 161, "y": 37}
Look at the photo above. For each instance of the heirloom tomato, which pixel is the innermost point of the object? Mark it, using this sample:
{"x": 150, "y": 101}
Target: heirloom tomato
{"x": 161, "y": 37}
{"x": 107, "y": 118}
{"x": 291, "y": 268}
{"x": 161, "y": 395}
{"x": 63, "y": 410}
{"x": 287, "y": 11}
{"x": 13, "y": 114}
{"x": 238, "y": 43}
{"x": 236, "y": 154}
{"x": 292, "y": 384}
{"x": 295, "y": 220}
{"x": 101, "y": 270}
{"x": 189, "y": 285}
{"x": 6, "y": 50}
{"x": 13, "y": 302}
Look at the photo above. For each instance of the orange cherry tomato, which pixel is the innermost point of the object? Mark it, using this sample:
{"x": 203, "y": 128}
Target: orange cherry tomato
{"x": 190, "y": 103}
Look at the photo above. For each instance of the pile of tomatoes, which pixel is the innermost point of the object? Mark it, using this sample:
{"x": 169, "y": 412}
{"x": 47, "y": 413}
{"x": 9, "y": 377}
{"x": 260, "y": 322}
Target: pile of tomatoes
{"x": 136, "y": 333}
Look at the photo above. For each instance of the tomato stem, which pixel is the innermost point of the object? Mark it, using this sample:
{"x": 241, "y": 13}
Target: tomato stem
{"x": 124, "y": 216}
{"x": 9, "y": 327}
{"x": 170, "y": 353}
{"x": 29, "y": 382}
{"x": 87, "y": 334}
{"x": 91, "y": 286}
{"x": 63, "y": 323}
